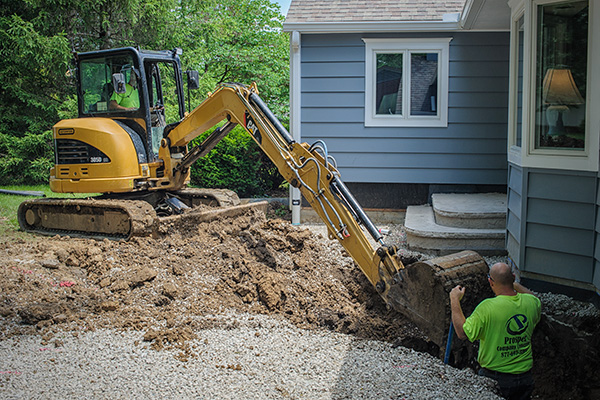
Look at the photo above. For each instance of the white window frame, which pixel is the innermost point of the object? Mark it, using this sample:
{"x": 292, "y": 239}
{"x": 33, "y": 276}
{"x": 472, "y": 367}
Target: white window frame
{"x": 514, "y": 150}
{"x": 373, "y": 47}
{"x": 586, "y": 160}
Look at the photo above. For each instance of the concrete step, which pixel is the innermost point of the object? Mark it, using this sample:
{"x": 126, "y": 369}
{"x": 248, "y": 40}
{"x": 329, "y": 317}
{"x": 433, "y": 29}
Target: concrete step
{"x": 470, "y": 210}
{"x": 425, "y": 235}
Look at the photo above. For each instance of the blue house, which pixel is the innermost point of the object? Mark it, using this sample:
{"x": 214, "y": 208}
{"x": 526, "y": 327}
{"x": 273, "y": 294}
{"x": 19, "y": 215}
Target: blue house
{"x": 420, "y": 97}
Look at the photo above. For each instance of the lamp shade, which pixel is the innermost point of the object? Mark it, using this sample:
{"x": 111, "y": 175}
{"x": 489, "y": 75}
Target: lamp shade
{"x": 560, "y": 88}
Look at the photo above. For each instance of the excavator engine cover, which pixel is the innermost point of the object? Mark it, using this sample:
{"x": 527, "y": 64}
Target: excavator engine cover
{"x": 423, "y": 294}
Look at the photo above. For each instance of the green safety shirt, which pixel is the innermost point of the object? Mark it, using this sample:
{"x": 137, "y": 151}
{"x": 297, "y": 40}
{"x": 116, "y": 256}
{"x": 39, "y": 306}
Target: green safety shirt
{"x": 129, "y": 99}
{"x": 504, "y": 326}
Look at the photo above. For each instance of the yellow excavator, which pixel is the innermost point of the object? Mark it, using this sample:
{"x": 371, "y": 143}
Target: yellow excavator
{"x": 131, "y": 143}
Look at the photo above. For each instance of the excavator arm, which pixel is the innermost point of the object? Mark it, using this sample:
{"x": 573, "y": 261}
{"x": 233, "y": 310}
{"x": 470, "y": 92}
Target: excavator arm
{"x": 308, "y": 168}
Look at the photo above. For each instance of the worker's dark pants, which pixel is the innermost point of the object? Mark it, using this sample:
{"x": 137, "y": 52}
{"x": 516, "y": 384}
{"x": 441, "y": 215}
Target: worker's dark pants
{"x": 512, "y": 386}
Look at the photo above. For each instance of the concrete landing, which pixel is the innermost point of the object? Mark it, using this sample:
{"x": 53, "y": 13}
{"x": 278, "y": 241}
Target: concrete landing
{"x": 458, "y": 222}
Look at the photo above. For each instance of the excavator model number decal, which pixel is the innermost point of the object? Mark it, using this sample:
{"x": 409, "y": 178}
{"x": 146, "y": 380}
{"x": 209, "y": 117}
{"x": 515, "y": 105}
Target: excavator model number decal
{"x": 252, "y": 127}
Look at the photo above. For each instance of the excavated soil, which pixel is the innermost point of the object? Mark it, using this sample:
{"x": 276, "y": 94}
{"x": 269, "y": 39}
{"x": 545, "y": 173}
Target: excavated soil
{"x": 169, "y": 287}
{"x": 161, "y": 285}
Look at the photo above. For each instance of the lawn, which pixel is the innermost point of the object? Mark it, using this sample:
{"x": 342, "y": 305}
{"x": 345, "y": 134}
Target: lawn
{"x": 9, "y": 203}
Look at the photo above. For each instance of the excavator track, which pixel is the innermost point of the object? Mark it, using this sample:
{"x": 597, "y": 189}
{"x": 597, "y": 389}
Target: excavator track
{"x": 112, "y": 219}
{"x": 115, "y": 219}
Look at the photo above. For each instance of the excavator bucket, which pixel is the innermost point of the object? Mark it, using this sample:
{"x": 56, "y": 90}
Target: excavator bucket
{"x": 423, "y": 294}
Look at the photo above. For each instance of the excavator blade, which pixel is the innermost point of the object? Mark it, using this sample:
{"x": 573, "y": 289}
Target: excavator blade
{"x": 187, "y": 221}
{"x": 423, "y": 294}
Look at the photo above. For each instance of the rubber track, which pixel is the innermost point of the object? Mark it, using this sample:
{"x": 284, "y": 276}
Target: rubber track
{"x": 68, "y": 216}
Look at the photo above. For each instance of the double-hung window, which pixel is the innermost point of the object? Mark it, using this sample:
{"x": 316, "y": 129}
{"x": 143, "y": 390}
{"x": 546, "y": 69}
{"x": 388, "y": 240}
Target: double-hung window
{"x": 406, "y": 82}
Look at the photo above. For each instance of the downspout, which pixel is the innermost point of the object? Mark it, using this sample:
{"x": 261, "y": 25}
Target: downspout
{"x": 295, "y": 196}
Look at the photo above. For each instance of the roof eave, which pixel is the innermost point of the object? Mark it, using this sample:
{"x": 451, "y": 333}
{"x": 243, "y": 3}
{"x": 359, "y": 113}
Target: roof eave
{"x": 371, "y": 26}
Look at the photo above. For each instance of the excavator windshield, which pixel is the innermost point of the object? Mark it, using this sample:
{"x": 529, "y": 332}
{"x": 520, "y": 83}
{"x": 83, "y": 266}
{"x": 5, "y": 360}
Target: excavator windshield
{"x": 97, "y": 90}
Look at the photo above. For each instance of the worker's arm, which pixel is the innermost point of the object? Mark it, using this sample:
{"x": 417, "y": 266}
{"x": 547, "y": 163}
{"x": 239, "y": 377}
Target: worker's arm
{"x": 113, "y": 105}
{"x": 458, "y": 318}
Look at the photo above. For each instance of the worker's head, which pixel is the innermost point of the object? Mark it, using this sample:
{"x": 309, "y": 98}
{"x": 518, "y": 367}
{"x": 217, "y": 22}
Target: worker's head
{"x": 501, "y": 276}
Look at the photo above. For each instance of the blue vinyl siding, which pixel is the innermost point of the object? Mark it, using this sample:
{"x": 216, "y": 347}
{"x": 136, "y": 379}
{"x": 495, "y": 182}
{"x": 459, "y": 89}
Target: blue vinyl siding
{"x": 571, "y": 215}
{"x": 481, "y": 148}
{"x": 346, "y": 130}
{"x": 561, "y": 265}
{"x": 330, "y": 85}
{"x": 436, "y": 174}
{"x": 471, "y": 150}
{"x": 514, "y": 212}
{"x": 556, "y": 233}
{"x": 477, "y": 85}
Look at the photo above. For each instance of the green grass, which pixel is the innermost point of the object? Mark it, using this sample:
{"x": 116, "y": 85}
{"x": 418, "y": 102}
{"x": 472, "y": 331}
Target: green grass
{"x": 9, "y": 204}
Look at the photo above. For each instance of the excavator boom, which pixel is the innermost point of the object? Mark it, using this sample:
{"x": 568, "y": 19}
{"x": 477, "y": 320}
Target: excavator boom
{"x": 308, "y": 168}
{"x": 419, "y": 290}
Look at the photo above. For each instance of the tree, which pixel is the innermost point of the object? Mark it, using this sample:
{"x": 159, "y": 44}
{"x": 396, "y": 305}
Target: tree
{"x": 236, "y": 41}
{"x": 226, "y": 40}
{"x": 35, "y": 92}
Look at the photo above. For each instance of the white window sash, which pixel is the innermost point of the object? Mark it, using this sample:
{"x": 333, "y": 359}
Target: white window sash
{"x": 407, "y": 47}
{"x": 586, "y": 160}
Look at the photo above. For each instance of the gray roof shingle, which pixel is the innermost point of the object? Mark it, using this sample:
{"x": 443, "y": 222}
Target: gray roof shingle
{"x": 371, "y": 10}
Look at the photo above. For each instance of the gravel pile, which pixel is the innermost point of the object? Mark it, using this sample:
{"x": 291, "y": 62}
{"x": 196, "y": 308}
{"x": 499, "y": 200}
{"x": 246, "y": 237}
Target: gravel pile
{"x": 247, "y": 357}
{"x": 235, "y": 355}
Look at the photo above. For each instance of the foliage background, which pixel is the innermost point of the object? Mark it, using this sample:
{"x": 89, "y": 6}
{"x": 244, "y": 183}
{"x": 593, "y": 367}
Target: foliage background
{"x": 225, "y": 40}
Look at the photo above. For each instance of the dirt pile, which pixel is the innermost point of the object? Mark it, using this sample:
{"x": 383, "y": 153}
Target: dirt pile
{"x": 175, "y": 285}
{"x": 168, "y": 287}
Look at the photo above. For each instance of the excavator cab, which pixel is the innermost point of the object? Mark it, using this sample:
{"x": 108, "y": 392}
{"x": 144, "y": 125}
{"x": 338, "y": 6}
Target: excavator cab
{"x": 126, "y": 99}
{"x": 148, "y": 96}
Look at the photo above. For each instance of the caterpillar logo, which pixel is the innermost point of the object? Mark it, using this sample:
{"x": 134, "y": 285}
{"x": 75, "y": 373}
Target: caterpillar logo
{"x": 252, "y": 127}
{"x": 66, "y": 131}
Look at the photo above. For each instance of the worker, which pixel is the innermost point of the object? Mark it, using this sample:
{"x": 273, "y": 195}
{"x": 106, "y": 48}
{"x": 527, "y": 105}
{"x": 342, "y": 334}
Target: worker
{"x": 504, "y": 326}
{"x": 130, "y": 100}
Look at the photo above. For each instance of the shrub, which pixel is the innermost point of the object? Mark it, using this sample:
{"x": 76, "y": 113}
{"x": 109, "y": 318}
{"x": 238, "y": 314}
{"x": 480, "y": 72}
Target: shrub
{"x": 238, "y": 164}
{"x": 25, "y": 160}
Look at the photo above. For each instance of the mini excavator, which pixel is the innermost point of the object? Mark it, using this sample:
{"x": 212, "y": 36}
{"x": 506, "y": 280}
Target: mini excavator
{"x": 131, "y": 143}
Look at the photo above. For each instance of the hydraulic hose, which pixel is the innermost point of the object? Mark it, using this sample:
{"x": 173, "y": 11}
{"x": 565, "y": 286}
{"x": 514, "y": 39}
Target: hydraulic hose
{"x": 257, "y": 101}
{"x": 341, "y": 189}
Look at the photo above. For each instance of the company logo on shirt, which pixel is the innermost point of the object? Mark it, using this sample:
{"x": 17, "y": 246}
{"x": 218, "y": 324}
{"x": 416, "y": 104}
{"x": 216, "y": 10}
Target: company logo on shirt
{"x": 517, "y": 324}
{"x": 516, "y": 341}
